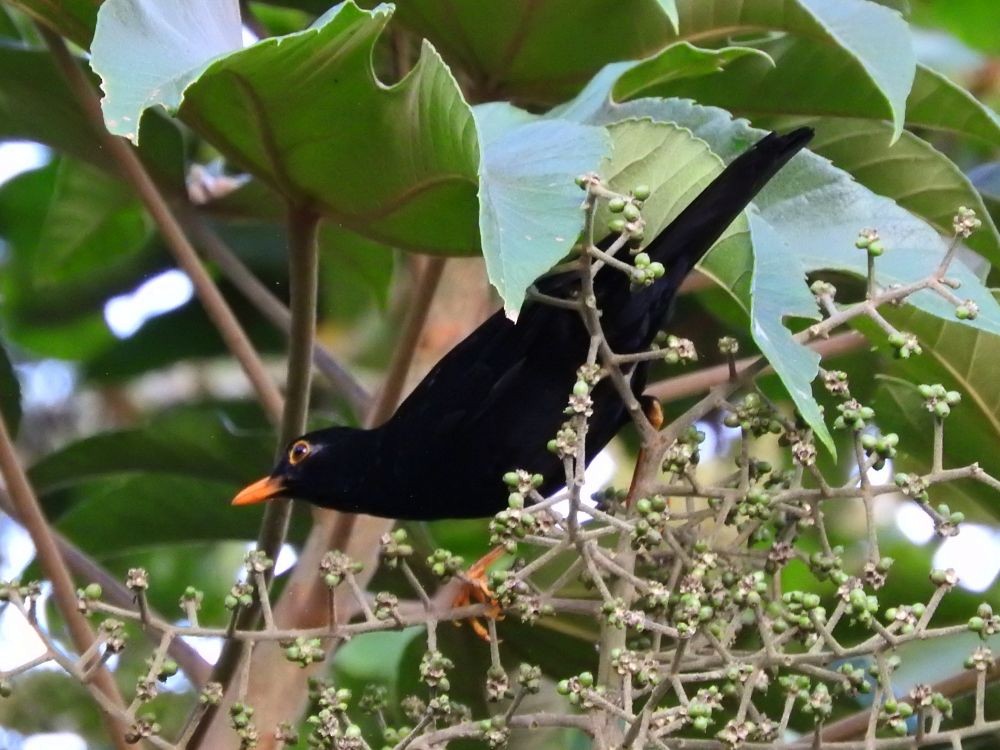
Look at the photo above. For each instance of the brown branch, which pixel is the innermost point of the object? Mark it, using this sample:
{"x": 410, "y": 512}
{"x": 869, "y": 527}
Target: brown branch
{"x": 26, "y": 505}
{"x": 215, "y": 249}
{"x": 425, "y": 287}
{"x": 304, "y": 274}
{"x": 277, "y": 688}
{"x": 173, "y": 235}
{"x": 85, "y": 568}
{"x": 700, "y": 381}
{"x": 955, "y": 686}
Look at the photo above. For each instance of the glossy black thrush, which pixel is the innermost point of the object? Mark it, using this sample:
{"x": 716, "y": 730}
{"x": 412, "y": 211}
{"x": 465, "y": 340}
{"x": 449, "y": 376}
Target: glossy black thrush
{"x": 494, "y": 401}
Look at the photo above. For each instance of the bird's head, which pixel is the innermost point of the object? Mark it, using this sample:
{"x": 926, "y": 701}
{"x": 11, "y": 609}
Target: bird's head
{"x": 315, "y": 467}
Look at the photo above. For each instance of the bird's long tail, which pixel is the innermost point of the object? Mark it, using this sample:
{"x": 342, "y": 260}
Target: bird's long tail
{"x": 689, "y": 236}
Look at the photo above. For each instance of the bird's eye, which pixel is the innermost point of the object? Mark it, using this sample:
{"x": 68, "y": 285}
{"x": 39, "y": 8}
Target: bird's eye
{"x": 299, "y": 450}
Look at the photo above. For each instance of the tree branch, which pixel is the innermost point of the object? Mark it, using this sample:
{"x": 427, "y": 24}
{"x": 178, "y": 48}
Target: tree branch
{"x": 304, "y": 275}
{"x": 216, "y": 250}
{"x": 277, "y": 689}
{"x": 693, "y": 383}
{"x": 26, "y": 505}
{"x": 87, "y": 569}
{"x": 177, "y": 242}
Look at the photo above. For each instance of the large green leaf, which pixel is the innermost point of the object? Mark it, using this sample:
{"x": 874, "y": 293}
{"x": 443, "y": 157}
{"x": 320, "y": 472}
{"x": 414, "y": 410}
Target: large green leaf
{"x": 10, "y": 393}
{"x": 963, "y": 359}
{"x": 36, "y": 104}
{"x": 540, "y": 50}
{"x": 529, "y": 208}
{"x": 402, "y": 163}
{"x": 912, "y": 172}
{"x": 853, "y": 49}
{"x": 398, "y": 163}
{"x": 808, "y": 219}
{"x": 146, "y": 54}
{"x": 74, "y": 19}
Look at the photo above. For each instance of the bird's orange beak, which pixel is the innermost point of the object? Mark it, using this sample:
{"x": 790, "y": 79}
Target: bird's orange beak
{"x": 259, "y": 491}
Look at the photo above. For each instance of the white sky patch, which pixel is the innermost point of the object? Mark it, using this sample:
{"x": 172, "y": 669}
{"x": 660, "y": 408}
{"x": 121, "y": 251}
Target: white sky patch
{"x": 45, "y": 384}
{"x": 974, "y": 554}
{"x": 54, "y": 741}
{"x": 208, "y": 648}
{"x": 16, "y": 549}
{"x": 18, "y": 640}
{"x": 598, "y": 474}
{"x": 287, "y": 557}
{"x": 20, "y": 156}
{"x": 916, "y": 525}
{"x": 127, "y": 313}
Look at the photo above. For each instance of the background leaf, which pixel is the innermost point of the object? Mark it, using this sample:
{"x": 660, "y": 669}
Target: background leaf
{"x": 10, "y": 393}
{"x": 74, "y": 19}
{"x": 538, "y": 50}
{"x": 322, "y": 130}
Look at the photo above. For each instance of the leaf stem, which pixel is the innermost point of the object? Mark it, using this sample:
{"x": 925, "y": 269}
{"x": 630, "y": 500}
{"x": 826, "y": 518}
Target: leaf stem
{"x": 303, "y": 266}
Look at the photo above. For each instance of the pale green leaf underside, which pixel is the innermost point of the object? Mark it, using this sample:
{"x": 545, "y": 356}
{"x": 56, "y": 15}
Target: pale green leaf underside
{"x": 402, "y": 165}
{"x": 529, "y": 208}
{"x": 806, "y": 220}
{"x": 912, "y": 172}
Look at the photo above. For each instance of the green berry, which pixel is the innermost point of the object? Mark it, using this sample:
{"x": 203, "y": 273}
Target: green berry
{"x": 641, "y": 192}
{"x": 616, "y": 205}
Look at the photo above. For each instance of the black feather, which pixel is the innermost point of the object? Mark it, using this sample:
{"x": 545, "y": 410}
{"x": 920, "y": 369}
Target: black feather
{"x": 494, "y": 401}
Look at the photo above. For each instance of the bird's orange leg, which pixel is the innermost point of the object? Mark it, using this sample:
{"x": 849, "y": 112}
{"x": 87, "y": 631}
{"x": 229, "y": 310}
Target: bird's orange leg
{"x": 475, "y": 589}
{"x": 654, "y": 413}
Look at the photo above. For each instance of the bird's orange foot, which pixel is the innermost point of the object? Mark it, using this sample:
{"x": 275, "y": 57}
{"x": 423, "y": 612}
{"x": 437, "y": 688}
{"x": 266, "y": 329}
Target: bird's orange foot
{"x": 475, "y": 590}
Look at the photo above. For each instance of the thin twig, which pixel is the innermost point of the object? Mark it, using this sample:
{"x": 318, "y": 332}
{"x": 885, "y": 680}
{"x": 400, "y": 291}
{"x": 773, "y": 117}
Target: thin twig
{"x": 54, "y": 567}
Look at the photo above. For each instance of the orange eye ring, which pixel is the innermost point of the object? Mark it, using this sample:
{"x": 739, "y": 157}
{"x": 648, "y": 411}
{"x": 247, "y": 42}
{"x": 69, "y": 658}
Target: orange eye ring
{"x": 299, "y": 450}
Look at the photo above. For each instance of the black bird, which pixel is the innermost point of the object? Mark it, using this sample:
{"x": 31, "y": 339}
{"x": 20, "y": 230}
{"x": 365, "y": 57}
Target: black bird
{"x": 494, "y": 401}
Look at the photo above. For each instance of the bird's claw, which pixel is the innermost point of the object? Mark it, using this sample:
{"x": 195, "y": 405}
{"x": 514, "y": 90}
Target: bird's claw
{"x": 475, "y": 590}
